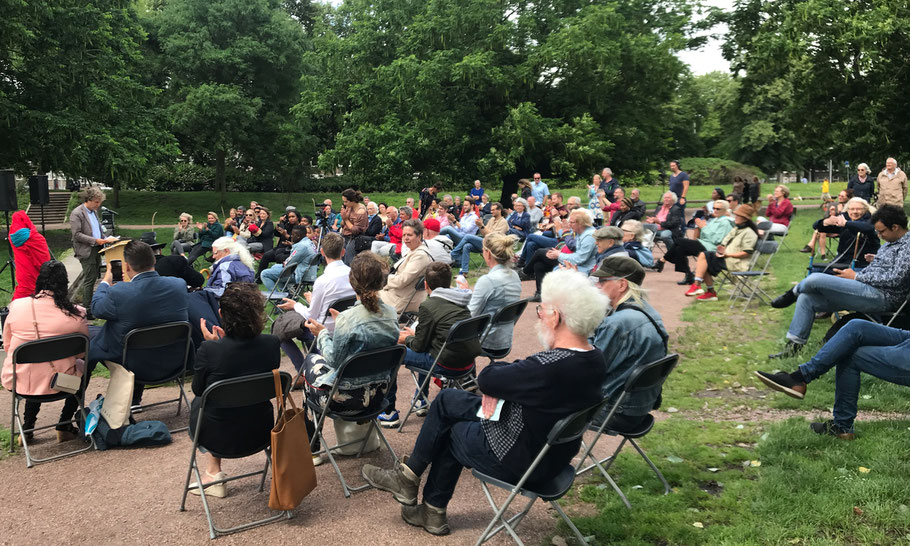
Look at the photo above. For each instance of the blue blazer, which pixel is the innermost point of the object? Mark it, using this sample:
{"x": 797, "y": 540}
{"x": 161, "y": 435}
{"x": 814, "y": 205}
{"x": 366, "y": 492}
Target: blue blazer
{"x": 147, "y": 300}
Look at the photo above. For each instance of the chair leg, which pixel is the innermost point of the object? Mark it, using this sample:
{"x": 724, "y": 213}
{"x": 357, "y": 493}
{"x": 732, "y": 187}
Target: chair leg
{"x": 265, "y": 470}
{"x": 652, "y": 465}
{"x": 417, "y": 393}
{"x": 12, "y": 423}
{"x": 565, "y": 518}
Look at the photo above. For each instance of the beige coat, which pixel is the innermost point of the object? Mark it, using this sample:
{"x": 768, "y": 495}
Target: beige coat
{"x": 892, "y": 191}
{"x": 400, "y": 286}
{"x": 19, "y": 327}
{"x": 495, "y": 225}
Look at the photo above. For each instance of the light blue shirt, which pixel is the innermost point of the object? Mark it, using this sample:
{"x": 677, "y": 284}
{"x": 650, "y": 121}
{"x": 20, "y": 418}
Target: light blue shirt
{"x": 585, "y": 252}
{"x": 93, "y": 221}
{"x": 498, "y": 288}
{"x": 540, "y": 191}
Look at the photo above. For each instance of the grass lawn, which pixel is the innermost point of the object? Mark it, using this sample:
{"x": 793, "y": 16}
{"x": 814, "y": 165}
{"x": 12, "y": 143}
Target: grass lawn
{"x": 743, "y": 464}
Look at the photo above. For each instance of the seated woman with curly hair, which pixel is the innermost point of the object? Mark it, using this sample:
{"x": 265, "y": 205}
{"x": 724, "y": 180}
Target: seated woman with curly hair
{"x": 370, "y": 324}
{"x": 236, "y": 348}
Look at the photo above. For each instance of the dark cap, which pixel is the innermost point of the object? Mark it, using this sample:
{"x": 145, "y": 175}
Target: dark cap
{"x": 621, "y": 267}
{"x": 608, "y": 232}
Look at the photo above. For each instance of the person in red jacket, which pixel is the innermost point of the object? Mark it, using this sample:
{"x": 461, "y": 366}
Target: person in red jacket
{"x": 780, "y": 209}
{"x": 29, "y": 252}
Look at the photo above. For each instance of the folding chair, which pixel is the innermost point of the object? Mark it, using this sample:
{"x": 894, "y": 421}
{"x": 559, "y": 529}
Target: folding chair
{"x": 340, "y": 305}
{"x": 235, "y": 393}
{"x": 566, "y": 430}
{"x": 460, "y": 332}
{"x": 42, "y": 351}
{"x": 280, "y": 290}
{"x": 508, "y": 314}
{"x": 378, "y": 362}
{"x": 418, "y": 288}
{"x": 748, "y": 283}
{"x": 644, "y": 378}
{"x": 158, "y": 337}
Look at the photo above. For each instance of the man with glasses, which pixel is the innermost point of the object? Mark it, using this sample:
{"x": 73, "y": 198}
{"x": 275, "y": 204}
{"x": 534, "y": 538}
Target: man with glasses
{"x": 521, "y": 402}
{"x": 630, "y": 335}
{"x": 881, "y": 286}
{"x": 861, "y": 183}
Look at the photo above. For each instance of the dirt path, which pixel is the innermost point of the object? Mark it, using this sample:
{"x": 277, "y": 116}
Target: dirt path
{"x": 133, "y": 495}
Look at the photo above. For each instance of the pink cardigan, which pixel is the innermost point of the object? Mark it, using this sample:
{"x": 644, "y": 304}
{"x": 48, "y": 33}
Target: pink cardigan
{"x": 35, "y": 379}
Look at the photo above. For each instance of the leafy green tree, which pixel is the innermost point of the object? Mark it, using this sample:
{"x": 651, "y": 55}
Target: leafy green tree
{"x": 234, "y": 68}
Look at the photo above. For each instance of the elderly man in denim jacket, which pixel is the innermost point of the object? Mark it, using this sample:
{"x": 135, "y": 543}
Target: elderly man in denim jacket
{"x": 631, "y": 335}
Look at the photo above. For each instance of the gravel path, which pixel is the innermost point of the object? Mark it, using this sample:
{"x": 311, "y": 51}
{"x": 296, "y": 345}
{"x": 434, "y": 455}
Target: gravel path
{"x": 132, "y": 495}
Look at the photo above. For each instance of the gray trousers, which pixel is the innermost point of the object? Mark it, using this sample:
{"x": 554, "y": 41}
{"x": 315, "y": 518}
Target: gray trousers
{"x": 91, "y": 270}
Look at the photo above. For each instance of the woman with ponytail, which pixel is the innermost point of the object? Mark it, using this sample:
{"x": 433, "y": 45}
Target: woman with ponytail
{"x": 369, "y": 324}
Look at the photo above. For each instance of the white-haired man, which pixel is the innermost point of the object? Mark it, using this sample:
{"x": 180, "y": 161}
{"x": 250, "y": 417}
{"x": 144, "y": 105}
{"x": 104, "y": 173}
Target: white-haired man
{"x": 892, "y": 184}
{"x": 535, "y": 392}
{"x": 631, "y": 334}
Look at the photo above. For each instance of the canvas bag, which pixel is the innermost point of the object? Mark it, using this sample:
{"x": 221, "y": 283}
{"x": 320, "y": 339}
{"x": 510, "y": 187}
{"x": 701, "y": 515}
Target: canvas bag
{"x": 119, "y": 396}
{"x": 293, "y": 473}
{"x": 347, "y": 431}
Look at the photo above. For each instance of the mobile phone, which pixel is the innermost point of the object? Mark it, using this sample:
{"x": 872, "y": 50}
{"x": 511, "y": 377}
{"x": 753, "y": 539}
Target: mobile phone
{"x": 117, "y": 270}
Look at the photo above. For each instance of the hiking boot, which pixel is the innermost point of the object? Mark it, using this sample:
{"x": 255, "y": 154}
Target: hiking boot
{"x": 709, "y": 295}
{"x": 432, "y": 519}
{"x": 66, "y": 433}
{"x": 783, "y": 382}
{"x": 522, "y": 276}
{"x": 830, "y": 429}
{"x": 786, "y": 299}
{"x": 695, "y": 290}
{"x": 535, "y": 297}
{"x": 400, "y": 481}
{"x": 790, "y": 349}
{"x": 389, "y": 419}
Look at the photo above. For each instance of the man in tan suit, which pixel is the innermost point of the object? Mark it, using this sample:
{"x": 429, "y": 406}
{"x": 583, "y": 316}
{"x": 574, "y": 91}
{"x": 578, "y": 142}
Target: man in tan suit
{"x": 405, "y": 273}
{"x": 88, "y": 239}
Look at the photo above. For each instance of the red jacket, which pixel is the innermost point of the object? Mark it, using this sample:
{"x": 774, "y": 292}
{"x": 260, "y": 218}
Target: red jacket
{"x": 395, "y": 235}
{"x": 780, "y": 214}
{"x": 29, "y": 252}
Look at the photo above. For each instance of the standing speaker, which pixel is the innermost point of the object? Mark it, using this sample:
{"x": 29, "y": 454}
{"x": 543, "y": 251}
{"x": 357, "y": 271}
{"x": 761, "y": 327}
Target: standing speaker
{"x": 37, "y": 190}
{"x": 8, "y": 199}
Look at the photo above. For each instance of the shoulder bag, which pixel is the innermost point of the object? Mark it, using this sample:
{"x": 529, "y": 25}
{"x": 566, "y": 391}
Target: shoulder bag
{"x": 293, "y": 473}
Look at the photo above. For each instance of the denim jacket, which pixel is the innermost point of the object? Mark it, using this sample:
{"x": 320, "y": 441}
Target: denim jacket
{"x": 585, "y": 252}
{"x": 498, "y": 288}
{"x": 356, "y": 330}
{"x": 303, "y": 253}
{"x": 628, "y": 340}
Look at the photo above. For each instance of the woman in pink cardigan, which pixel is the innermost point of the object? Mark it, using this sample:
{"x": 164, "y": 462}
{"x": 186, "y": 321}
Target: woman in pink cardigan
{"x": 45, "y": 314}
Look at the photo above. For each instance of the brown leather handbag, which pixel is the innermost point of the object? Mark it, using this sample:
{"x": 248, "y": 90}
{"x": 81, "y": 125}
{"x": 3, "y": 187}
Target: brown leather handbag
{"x": 293, "y": 473}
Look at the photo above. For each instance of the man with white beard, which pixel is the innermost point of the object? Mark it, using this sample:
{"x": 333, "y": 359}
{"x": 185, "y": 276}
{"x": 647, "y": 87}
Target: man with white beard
{"x": 531, "y": 395}
{"x": 631, "y": 335}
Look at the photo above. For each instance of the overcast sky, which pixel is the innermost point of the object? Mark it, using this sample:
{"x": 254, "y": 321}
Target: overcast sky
{"x": 708, "y": 58}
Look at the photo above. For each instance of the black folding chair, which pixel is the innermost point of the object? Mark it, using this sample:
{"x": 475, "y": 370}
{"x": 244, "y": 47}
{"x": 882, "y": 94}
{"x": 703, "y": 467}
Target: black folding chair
{"x": 158, "y": 337}
{"x": 460, "y": 332}
{"x": 566, "y": 430}
{"x": 280, "y": 290}
{"x": 234, "y": 393}
{"x": 378, "y": 362}
{"x": 418, "y": 288}
{"x": 644, "y": 378}
{"x": 42, "y": 351}
{"x": 509, "y": 314}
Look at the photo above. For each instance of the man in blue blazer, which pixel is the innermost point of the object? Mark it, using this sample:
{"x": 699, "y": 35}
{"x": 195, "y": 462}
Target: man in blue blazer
{"x": 147, "y": 300}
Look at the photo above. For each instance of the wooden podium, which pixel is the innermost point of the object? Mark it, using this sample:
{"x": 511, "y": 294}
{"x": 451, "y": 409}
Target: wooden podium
{"x": 115, "y": 252}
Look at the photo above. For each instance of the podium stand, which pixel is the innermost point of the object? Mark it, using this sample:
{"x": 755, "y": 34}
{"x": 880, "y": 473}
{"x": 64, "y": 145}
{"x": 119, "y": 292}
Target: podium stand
{"x": 115, "y": 252}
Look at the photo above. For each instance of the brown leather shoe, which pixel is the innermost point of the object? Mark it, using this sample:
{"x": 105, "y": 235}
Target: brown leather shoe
{"x": 782, "y": 382}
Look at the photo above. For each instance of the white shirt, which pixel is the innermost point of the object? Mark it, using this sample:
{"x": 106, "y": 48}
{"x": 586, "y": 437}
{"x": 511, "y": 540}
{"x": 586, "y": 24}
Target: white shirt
{"x": 536, "y": 216}
{"x": 440, "y": 248}
{"x": 334, "y": 284}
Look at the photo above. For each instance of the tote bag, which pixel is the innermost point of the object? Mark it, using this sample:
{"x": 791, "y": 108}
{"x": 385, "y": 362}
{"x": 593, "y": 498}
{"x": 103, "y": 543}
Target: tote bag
{"x": 293, "y": 473}
{"x": 119, "y": 395}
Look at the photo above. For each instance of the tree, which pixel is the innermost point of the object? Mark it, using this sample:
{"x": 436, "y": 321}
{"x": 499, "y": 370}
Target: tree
{"x": 71, "y": 93}
{"x": 234, "y": 68}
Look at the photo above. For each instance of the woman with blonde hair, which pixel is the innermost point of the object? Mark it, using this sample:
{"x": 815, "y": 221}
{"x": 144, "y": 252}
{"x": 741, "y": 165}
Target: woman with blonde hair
{"x": 184, "y": 235}
{"x": 498, "y": 288}
{"x": 208, "y": 232}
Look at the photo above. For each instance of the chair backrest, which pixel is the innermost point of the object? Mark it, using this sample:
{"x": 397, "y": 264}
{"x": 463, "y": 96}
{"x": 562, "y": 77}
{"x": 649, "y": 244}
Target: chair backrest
{"x": 419, "y": 286}
{"x": 468, "y": 329}
{"x": 246, "y": 390}
{"x": 767, "y": 247}
{"x": 572, "y": 427}
{"x": 372, "y": 362}
{"x": 286, "y": 273}
{"x": 651, "y": 375}
{"x": 509, "y": 314}
{"x": 51, "y": 348}
{"x": 158, "y": 336}
{"x": 343, "y": 304}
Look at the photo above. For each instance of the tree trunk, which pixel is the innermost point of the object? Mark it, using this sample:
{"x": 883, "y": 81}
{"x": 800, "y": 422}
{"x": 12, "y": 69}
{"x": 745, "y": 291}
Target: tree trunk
{"x": 220, "y": 182}
{"x": 116, "y": 186}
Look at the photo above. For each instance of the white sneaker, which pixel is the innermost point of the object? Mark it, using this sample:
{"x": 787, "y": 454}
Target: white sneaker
{"x": 318, "y": 460}
{"x": 421, "y": 407}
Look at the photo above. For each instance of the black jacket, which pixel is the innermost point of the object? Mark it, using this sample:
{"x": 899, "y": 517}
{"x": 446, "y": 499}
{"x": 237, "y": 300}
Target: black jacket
{"x": 266, "y": 236}
{"x": 178, "y": 266}
{"x": 676, "y": 219}
{"x": 864, "y": 189}
{"x": 234, "y": 430}
{"x": 846, "y": 241}
{"x": 619, "y": 217}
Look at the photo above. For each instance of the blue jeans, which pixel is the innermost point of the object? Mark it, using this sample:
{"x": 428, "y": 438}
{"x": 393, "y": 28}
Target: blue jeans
{"x": 860, "y": 346}
{"x": 418, "y": 360}
{"x": 820, "y": 292}
{"x": 451, "y": 439}
{"x": 462, "y": 251}
{"x": 270, "y": 276}
{"x": 535, "y": 241}
{"x": 452, "y": 233}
